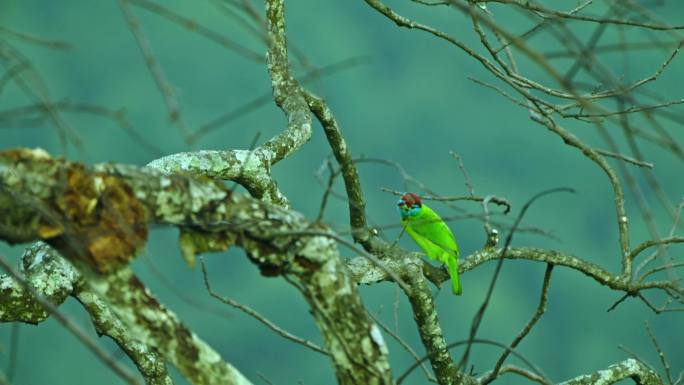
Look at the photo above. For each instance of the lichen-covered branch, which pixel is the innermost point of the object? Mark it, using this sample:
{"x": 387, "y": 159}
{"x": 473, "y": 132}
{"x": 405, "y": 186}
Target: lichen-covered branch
{"x": 149, "y": 363}
{"x": 267, "y": 232}
{"x": 48, "y": 273}
{"x": 350, "y": 175}
{"x": 137, "y": 322}
{"x": 284, "y": 86}
{"x": 286, "y": 90}
{"x": 402, "y": 263}
{"x": 365, "y": 273}
{"x": 630, "y": 368}
{"x": 250, "y": 168}
{"x": 55, "y": 278}
{"x": 152, "y": 323}
{"x": 425, "y": 314}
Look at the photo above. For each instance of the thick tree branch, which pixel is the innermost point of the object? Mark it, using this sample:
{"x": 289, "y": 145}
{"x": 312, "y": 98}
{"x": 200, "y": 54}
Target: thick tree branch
{"x": 149, "y": 363}
{"x": 250, "y": 168}
{"x": 155, "y": 325}
{"x": 161, "y": 331}
{"x": 54, "y": 278}
{"x": 27, "y": 289}
{"x": 268, "y": 233}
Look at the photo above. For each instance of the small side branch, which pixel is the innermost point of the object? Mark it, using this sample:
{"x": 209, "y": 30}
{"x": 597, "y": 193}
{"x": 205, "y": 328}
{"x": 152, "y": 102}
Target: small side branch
{"x": 661, "y": 354}
{"x": 541, "y": 309}
{"x": 165, "y": 87}
{"x": 149, "y": 363}
{"x": 253, "y": 313}
{"x": 625, "y": 158}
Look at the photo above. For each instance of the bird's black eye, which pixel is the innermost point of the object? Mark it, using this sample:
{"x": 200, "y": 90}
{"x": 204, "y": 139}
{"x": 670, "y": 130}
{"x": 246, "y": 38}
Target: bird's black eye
{"x": 401, "y": 203}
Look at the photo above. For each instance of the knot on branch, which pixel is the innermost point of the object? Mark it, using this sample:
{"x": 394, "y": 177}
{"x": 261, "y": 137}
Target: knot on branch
{"x": 89, "y": 216}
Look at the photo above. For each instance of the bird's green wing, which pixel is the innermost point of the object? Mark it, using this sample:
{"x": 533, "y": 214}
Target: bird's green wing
{"x": 431, "y": 227}
{"x": 431, "y": 249}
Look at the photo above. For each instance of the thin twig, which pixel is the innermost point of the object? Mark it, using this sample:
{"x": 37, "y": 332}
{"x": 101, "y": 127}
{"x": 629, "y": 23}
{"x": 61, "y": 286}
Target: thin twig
{"x": 524, "y": 373}
{"x": 250, "y": 154}
{"x": 541, "y": 308}
{"x": 264, "y": 378}
{"x": 650, "y": 243}
{"x": 619, "y": 301}
{"x": 625, "y": 158}
{"x": 163, "y": 84}
{"x": 406, "y": 347}
{"x": 193, "y": 26}
{"x": 574, "y": 16}
{"x": 189, "y": 299}
{"x": 661, "y": 355}
{"x": 466, "y": 177}
{"x": 483, "y": 341}
{"x": 36, "y": 40}
{"x": 372, "y": 258}
{"x": 477, "y": 319}
{"x": 117, "y": 116}
{"x": 267, "y": 97}
{"x": 653, "y": 256}
{"x": 668, "y": 266}
{"x": 494, "y": 199}
{"x": 253, "y": 313}
{"x": 328, "y": 189}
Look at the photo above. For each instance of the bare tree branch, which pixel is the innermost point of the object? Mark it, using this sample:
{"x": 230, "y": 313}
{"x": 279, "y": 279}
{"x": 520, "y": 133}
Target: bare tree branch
{"x": 253, "y": 313}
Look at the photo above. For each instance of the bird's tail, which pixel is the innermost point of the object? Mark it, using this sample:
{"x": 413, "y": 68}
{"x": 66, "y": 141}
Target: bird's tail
{"x": 453, "y": 273}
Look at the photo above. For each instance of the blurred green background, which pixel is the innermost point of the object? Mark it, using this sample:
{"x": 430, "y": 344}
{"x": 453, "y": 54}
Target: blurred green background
{"x": 410, "y": 101}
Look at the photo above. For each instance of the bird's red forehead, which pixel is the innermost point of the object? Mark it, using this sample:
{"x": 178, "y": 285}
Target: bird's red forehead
{"x": 411, "y": 199}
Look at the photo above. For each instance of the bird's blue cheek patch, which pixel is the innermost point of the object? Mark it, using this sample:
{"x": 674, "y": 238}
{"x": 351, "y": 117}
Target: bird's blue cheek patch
{"x": 413, "y": 211}
{"x": 408, "y": 212}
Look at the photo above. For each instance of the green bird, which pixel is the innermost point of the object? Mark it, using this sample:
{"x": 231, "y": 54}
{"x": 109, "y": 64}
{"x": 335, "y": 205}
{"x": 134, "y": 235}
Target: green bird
{"x": 430, "y": 232}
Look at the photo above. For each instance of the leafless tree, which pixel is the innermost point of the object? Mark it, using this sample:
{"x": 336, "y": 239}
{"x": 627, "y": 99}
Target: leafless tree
{"x": 89, "y": 221}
